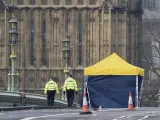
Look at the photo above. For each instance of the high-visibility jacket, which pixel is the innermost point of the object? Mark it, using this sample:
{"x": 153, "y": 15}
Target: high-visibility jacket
{"x": 51, "y": 85}
{"x": 70, "y": 83}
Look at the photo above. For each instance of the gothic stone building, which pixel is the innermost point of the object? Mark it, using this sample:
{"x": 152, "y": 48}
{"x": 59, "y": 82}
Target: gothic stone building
{"x": 96, "y": 30}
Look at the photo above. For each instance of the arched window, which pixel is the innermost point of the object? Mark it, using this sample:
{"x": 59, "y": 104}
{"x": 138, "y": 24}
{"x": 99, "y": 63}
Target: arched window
{"x": 80, "y": 2}
{"x": 32, "y": 2}
{"x": 8, "y": 2}
{"x": 68, "y": 2}
{"x": 44, "y": 2}
{"x": 79, "y": 38}
{"x": 20, "y": 2}
{"x": 67, "y": 22}
{"x": 92, "y": 2}
{"x": 43, "y": 50}
{"x": 31, "y": 40}
{"x": 56, "y": 2}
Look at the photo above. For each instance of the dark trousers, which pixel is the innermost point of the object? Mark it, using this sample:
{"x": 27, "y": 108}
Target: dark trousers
{"x": 51, "y": 97}
{"x": 70, "y": 97}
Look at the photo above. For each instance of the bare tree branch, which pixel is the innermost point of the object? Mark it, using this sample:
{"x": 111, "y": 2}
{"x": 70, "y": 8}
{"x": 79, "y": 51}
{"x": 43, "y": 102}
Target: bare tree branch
{"x": 152, "y": 67}
{"x": 151, "y": 57}
{"x": 153, "y": 35}
{"x": 156, "y": 50}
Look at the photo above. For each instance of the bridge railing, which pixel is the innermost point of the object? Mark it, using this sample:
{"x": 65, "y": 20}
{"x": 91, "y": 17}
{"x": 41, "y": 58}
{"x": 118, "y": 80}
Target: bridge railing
{"x": 27, "y": 99}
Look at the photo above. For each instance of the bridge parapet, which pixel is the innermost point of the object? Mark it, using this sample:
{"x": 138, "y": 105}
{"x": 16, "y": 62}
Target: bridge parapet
{"x": 22, "y": 98}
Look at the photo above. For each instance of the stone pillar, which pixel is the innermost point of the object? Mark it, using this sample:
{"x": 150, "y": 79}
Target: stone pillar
{"x": 6, "y": 50}
{"x": 48, "y": 36}
{"x": 109, "y": 31}
{"x": 26, "y": 38}
{"x": 37, "y": 38}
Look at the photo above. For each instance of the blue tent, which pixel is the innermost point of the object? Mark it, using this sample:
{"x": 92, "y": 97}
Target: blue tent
{"x": 110, "y": 81}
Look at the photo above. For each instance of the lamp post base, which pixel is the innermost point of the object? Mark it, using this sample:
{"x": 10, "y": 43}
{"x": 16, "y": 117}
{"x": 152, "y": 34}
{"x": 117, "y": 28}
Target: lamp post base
{"x": 12, "y": 89}
{"x": 64, "y": 97}
{"x": 8, "y": 89}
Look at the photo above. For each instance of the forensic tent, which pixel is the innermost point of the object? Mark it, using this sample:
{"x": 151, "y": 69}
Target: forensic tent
{"x": 109, "y": 82}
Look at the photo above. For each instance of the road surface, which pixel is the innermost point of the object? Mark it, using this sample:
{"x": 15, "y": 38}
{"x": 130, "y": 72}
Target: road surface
{"x": 73, "y": 114}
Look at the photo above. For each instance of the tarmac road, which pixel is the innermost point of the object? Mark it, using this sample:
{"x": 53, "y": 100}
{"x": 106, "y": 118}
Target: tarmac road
{"x": 73, "y": 114}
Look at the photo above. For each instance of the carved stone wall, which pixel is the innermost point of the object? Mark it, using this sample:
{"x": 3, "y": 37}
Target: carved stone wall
{"x": 94, "y": 35}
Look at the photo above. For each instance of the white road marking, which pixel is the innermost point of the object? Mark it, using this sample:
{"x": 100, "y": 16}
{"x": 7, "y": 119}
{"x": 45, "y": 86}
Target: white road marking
{"x": 114, "y": 109}
{"x": 121, "y": 117}
{"x": 94, "y": 114}
{"x": 148, "y": 116}
{"x": 32, "y": 118}
{"x": 154, "y": 113}
{"x": 129, "y": 116}
{"x": 143, "y": 118}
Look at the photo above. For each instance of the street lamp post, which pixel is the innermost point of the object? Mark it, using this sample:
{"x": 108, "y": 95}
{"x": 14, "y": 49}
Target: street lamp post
{"x": 13, "y": 83}
{"x": 66, "y": 56}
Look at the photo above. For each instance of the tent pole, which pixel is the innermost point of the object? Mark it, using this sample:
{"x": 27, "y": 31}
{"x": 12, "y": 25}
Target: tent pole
{"x": 137, "y": 101}
{"x": 141, "y": 89}
{"x": 142, "y": 84}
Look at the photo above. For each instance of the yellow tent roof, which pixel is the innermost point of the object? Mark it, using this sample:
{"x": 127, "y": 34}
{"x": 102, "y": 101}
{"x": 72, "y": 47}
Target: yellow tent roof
{"x": 113, "y": 65}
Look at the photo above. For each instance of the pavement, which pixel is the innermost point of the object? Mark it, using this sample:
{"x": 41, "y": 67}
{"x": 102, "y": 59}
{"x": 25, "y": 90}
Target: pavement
{"x": 73, "y": 114}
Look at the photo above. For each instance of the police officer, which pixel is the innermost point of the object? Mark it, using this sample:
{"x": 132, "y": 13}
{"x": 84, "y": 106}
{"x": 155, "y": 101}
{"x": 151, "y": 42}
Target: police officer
{"x": 70, "y": 88}
{"x": 51, "y": 89}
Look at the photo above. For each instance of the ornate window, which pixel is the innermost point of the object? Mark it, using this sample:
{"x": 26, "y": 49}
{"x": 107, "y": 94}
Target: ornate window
{"x": 32, "y": 2}
{"x": 43, "y": 82}
{"x": 92, "y": 2}
{"x": 55, "y": 2}
{"x": 43, "y": 50}
{"x": 67, "y": 22}
{"x": 1, "y": 83}
{"x": 31, "y": 83}
{"x": 80, "y": 2}
{"x": 68, "y": 2}
{"x": 20, "y": 2}
{"x": 44, "y": 2}
{"x": 79, "y": 38}
{"x": 31, "y": 40}
{"x": 8, "y": 1}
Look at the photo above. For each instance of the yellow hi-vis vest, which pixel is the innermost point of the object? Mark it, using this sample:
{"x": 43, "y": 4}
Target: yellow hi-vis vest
{"x": 51, "y": 85}
{"x": 70, "y": 83}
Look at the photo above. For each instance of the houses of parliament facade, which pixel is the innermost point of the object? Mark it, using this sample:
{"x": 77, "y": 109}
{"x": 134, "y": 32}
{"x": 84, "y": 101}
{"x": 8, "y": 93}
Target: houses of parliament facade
{"x": 96, "y": 29}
